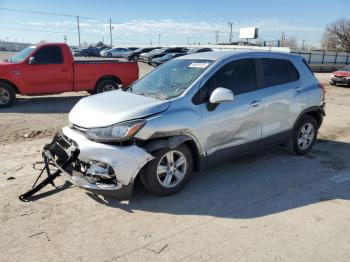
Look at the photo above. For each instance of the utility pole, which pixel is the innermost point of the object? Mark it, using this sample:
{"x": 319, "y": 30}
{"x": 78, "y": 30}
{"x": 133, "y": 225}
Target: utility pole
{"x": 303, "y": 47}
{"x": 110, "y": 31}
{"x": 78, "y": 29}
{"x": 159, "y": 35}
{"x": 188, "y": 40}
{"x": 65, "y": 39}
{"x": 217, "y": 32}
{"x": 230, "y": 24}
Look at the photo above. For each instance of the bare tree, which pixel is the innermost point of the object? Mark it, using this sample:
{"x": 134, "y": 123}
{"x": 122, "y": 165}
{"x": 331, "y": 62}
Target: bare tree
{"x": 290, "y": 42}
{"x": 337, "y": 36}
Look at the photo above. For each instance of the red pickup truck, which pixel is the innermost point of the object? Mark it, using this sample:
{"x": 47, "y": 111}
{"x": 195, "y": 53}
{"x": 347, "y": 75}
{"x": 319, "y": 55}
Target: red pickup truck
{"x": 51, "y": 69}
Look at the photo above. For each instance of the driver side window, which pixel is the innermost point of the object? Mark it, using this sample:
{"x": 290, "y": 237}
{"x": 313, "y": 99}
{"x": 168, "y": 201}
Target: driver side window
{"x": 239, "y": 76}
{"x": 49, "y": 55}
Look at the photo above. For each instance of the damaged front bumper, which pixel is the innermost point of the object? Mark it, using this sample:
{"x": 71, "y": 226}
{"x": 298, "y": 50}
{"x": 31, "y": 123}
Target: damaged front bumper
{"x": 100, "y": 168}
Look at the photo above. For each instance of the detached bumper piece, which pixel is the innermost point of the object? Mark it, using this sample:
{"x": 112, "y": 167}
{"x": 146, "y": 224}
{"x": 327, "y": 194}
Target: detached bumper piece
{"x": 62, "y": 154}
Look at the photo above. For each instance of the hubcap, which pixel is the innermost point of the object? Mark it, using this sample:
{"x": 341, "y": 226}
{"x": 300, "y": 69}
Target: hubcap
{"x": 109, "y": 87}
{"x": 306, "y": 136}
{"x": 171, "y": 169}
{"x": 4, "y": 96}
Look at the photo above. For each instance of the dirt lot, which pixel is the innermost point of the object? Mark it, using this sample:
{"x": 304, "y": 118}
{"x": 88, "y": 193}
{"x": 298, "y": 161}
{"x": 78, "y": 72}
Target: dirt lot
{"x": 263, "y": 207}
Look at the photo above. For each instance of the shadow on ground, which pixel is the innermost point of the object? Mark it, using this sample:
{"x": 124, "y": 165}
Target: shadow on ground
{"x": 257, "y": 185}
{"x": 47, "y": 104}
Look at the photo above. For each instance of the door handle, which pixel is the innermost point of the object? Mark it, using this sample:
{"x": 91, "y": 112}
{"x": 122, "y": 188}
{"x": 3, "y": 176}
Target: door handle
{"x": 255, "y": 103}
{"x": 299, "y": 89}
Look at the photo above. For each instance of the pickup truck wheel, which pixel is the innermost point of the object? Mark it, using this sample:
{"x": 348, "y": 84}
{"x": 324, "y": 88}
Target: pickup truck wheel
{"x": 169, "y": 172}
{"x": 7, "y": 95}
{"x": 304, "y": 136}
{"x": 107, "y": 85}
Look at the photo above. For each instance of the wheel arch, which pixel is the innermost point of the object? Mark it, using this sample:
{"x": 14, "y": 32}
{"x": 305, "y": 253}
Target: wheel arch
{"x": 317, "y": 112}
{"x": 173, "y": 142}
{"x": 10, "y": 84}
{"x": 108, "y": 77}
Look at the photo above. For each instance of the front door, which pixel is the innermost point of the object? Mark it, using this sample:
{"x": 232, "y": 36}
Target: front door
{"x": 48, "y": 73}
{"x": 239, "y": 122}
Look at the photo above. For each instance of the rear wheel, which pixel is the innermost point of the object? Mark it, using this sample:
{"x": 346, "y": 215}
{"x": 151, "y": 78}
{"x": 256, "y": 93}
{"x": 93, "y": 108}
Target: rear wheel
{"x": 7, "y": 95}
{"x": 304, "y": 136}
{"x": 107, "y": 85}
{"x": 109, "y": 55}
{"x": 135, "y": 58}
{"x": 169, "y": 172}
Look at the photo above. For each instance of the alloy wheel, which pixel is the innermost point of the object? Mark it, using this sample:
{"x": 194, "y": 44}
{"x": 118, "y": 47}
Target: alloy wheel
{"x": 172, "y": 168}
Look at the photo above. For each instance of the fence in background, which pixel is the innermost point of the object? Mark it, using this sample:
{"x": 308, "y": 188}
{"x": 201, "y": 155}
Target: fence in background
{"x": 323, "y": 61}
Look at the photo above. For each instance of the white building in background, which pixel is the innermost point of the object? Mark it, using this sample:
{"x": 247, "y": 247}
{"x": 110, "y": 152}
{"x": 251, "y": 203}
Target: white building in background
{"x": 12, "y": 46}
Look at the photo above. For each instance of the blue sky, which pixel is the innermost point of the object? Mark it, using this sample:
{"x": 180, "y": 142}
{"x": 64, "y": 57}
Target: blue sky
{"x": 140, "y": 22}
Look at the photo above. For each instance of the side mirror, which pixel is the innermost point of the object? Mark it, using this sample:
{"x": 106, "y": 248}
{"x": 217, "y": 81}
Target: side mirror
{"x": 31, "y": 60}
{"x": 220, "y": 95}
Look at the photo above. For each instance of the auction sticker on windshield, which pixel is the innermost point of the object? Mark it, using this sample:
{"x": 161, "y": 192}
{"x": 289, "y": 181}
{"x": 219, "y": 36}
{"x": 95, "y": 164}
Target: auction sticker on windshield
{"x": 199, "y": 65}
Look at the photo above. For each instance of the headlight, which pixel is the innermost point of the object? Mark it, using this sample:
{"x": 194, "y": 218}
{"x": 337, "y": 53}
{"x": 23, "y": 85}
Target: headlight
{"x": 117, "y": 132}
{"x": 332, "y": 75}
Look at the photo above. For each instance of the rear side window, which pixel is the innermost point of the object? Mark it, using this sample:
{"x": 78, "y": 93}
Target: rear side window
{"x": 278, "y": 71}
{"x": 49, "y": 55}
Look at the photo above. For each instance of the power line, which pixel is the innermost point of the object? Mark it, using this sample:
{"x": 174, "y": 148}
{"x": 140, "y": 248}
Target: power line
{"x": 49, "y": 13}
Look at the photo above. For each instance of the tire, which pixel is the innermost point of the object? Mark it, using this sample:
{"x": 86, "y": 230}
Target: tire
{"x": 7, "y": 95}
{"x": 135, "y": 58}
{"x": 107, "y": 85}
{"x": 303, "y": 138}
{"x": 109, "y": 55}
{"x": 332, "y": 83}
{"x": 165, "y": 182}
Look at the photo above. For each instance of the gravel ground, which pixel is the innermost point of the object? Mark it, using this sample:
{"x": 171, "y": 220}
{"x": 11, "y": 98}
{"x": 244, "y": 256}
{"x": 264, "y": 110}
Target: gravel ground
{"x": 262, "y": 207}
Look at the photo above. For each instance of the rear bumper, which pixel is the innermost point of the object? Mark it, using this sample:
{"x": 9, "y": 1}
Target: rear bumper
{"x": 121, "y": 164}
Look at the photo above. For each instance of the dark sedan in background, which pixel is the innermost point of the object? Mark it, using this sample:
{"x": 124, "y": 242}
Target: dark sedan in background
{"x": 134, "y": 55}
{"x": 160, "y": 60}
{"x": 147, "y": 58}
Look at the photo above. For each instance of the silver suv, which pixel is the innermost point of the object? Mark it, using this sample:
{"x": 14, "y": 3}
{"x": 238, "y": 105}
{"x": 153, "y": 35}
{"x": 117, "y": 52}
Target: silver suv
{"x": 195, "y": 107}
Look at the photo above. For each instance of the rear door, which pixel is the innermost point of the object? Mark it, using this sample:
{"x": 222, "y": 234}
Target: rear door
{"x": 283, "y": 98}
{"x": 49, "y": 73}
{"x": 236, "y": 123}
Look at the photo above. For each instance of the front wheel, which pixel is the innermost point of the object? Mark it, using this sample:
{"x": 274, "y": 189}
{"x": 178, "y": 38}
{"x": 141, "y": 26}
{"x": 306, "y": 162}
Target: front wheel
{"x": 7, "y": 95}
{"x": 169, "y": 172}
{"x": 304, "y": 136}
{"x": 109, "y": 55}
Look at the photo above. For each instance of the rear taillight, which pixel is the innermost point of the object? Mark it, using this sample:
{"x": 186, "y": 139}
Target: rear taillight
{"x": 323, "y": 90}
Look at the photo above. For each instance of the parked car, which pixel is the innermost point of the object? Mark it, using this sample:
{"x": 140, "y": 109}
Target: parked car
{"x": 341, "y": 76}
{"x": 147, "y": 58}
{"x": 198, "y": 50}
{"x": 50, "y": 68}
{"x": 134, "y": 55}
{"x": 191, "y": 110}
{"x": 114, "y": 52}
{"x": 132, "y": 48}
{"x": 90, "y": 51}
{"x": 160, "y": 60}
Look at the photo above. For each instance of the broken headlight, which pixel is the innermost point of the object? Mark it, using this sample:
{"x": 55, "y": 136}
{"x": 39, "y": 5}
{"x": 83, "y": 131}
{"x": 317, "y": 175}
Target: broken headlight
{"x": 118, "y": 132}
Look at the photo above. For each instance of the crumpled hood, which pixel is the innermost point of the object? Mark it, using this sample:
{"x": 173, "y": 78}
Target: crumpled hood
{"x": 114, "y": 107}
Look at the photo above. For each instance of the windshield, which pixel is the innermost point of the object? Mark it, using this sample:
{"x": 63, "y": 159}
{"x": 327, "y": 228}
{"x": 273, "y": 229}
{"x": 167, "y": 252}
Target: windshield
{"x": 156, "y": 51}
{"x": 21, "y": 55}
{"x": 171, "y": 79}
